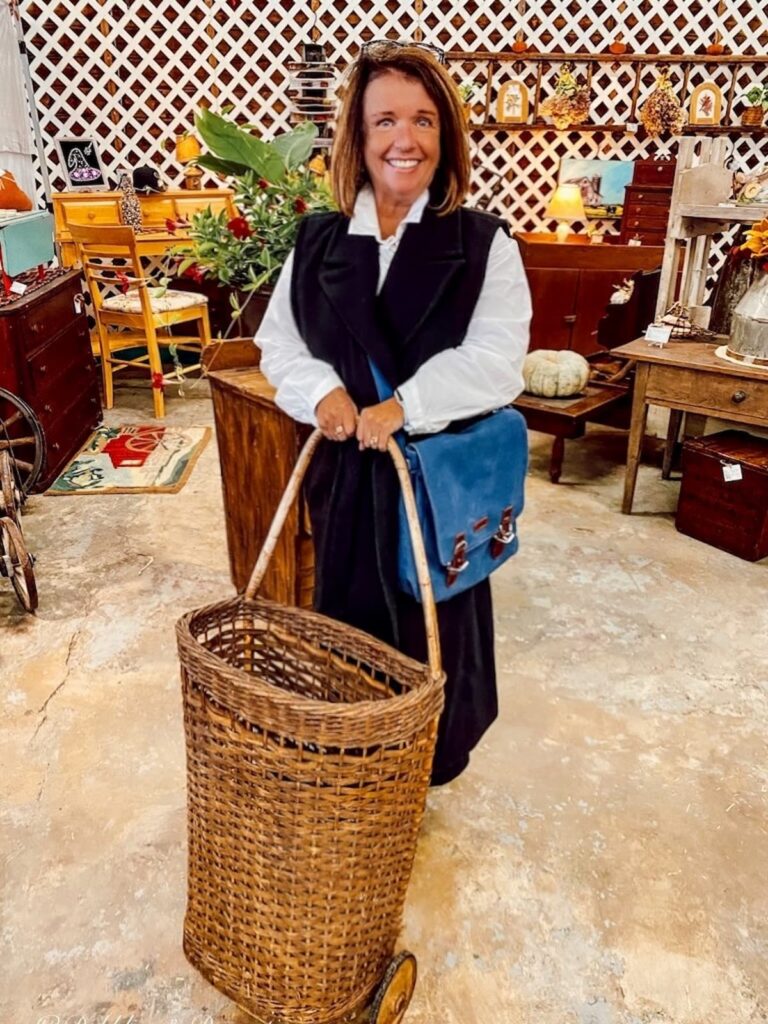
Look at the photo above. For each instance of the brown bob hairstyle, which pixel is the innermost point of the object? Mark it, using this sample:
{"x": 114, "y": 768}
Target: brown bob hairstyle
{"x": 348, "y": 172}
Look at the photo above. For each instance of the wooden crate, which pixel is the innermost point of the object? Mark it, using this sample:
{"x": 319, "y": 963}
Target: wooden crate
{"x": 729, "y": 514}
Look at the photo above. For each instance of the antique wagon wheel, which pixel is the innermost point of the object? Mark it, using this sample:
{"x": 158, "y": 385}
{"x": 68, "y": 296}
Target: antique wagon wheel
{"x": 10, "y": 498}
{"x": 22, "y": 436}
{"x": 16, "y": 564}
{"x": 395, "y": 990}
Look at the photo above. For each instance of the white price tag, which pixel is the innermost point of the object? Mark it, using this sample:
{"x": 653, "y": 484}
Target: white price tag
{"x": 18, "y": 287}
{"x": 731, "y": 471}
{"x": 658, "y": 334}
{"x": 631, "y": 127}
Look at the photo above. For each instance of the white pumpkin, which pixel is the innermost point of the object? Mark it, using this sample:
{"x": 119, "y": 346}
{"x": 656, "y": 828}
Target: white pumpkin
{"x": 552, "y": 374}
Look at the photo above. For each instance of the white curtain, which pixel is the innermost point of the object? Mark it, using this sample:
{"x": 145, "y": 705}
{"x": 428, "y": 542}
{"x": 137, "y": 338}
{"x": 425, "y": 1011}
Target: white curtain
{"x": 16, "y": 144}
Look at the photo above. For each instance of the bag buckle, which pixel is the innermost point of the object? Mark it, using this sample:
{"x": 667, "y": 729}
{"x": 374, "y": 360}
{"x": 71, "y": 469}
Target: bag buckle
{"x": 458, "y": 562}
{"x": 505, "y": 533}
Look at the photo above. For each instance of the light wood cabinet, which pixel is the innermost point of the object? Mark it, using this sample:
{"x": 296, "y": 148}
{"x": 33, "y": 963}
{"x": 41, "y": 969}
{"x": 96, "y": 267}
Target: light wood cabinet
{"x": 258, "y": 448}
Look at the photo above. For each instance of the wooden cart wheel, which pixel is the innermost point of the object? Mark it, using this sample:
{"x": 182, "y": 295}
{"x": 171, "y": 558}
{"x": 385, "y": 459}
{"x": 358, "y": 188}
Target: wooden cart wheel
{"x": 16, "y": 564}
{"x": 10, "y": 499}
{"x": 393, "y": 995}
{"x": 22, "y": 436}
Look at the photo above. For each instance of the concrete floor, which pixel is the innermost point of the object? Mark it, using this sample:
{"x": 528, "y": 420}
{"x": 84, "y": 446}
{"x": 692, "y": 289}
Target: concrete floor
{"x": 602, "y": 861}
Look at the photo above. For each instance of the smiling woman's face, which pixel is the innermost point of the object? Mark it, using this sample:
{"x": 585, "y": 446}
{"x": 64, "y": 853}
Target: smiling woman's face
{"x": 402, "y": 138}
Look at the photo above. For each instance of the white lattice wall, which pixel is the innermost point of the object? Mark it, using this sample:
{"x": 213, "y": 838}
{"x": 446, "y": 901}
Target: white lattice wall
{"x": 134, "y": 73}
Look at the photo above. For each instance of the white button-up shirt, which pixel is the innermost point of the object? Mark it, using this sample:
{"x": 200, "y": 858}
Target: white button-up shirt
{"x": 484, "y": 372}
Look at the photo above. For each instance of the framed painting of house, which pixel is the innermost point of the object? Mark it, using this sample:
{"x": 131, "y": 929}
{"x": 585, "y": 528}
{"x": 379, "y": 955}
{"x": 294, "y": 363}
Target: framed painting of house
{"x": 601, "y": 183}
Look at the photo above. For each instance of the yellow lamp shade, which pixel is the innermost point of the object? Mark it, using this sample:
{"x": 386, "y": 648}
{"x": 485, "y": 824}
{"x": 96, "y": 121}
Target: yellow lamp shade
{"x": 187, "y": 148}
{"x": 566, "y": 203}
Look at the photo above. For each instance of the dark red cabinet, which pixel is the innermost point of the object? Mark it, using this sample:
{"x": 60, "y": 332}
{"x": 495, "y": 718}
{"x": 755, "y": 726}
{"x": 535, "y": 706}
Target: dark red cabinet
{"x": 46, "y": 359}
{"x": 571, "y": 284}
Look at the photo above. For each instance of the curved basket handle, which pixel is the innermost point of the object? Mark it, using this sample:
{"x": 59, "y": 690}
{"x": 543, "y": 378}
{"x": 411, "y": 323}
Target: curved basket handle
{"x": 422, "y": 569}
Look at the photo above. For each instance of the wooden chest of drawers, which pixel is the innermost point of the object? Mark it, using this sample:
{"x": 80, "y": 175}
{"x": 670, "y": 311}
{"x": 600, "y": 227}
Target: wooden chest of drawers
{"x": 46, "y": 359}
{"x": 646, "y": 212}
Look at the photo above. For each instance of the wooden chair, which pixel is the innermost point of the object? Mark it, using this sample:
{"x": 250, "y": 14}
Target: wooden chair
{"x": 132, "y": 318}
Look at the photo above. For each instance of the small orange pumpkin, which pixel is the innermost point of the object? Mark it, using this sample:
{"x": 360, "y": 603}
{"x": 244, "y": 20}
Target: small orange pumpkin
{"x": 519, "y": 45}
{"x": 187, "y": 148}
{"x": 617, "y": 46}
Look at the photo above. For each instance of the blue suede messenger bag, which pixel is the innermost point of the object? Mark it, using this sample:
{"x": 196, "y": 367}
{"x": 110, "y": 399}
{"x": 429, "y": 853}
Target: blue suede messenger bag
{"x": 469, "y": 488}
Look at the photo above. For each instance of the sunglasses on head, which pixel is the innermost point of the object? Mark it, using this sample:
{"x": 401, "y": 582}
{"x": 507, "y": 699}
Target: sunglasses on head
{"x": 372, "y": 47}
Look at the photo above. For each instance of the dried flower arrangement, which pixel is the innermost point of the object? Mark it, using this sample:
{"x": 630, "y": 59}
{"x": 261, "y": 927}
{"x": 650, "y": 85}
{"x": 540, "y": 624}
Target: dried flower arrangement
{"x": 662, "y": 112}
{"x": 570, "y": 102}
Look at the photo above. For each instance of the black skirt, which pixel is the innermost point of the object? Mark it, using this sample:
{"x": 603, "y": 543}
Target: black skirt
{"x": 353, "y": 499}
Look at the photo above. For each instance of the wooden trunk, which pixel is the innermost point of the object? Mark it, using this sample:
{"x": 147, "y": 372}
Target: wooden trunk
{"x": 729, "y": 514}
{"x": 258, "y": 448}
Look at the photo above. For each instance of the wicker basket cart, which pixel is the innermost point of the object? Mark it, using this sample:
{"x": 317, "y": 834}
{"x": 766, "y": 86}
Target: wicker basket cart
{"x": 309, "y": 749}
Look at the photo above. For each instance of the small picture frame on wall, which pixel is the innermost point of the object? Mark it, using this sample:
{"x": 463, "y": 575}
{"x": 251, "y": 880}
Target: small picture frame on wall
{"x": 81, "y": 163}
{"x": 512, "y": 103}
{"x": 706, "y": 104}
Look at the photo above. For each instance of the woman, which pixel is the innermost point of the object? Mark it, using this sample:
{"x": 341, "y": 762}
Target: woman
{"x": 435, "y": 296}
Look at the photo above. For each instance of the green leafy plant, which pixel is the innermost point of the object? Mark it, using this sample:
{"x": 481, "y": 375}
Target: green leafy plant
{"x": 467, "y": 90}
{"x": 273, "y": 188}
{"x": 757, "y": 96}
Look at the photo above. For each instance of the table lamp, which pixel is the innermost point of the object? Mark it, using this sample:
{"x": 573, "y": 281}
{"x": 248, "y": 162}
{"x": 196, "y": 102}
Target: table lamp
{"x": 187, "y": 150}
{"x": 566, "y": 206}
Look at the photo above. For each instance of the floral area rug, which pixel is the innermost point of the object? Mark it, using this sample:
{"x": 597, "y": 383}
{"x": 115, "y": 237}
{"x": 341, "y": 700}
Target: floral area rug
{"x": 143, "y": 459}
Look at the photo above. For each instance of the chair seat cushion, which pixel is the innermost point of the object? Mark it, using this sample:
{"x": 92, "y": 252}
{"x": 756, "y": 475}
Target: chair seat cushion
{"x": 167, "y": 303}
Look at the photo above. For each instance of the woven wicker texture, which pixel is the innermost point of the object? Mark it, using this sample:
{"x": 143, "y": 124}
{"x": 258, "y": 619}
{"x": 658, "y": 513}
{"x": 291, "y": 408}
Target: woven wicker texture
{"x": 309, "y": 748}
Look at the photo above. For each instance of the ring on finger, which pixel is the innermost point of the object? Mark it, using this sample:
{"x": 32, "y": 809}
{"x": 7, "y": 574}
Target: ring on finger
{"x": 339, "y": 431}
{"x": 372, "y": 442}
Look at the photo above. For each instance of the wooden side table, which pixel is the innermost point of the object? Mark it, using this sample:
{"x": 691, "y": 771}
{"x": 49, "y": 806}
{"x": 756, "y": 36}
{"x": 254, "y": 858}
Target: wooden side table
{"x": 688, "y": 377}
{"x": 567, "y": 417}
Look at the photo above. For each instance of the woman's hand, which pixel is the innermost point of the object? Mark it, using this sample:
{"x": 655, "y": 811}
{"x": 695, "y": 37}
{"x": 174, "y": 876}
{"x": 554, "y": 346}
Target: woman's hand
{"x": 377, "y": 423}
{"x": 336, "y": 415}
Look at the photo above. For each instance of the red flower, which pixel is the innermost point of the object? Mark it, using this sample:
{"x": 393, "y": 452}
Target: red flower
{"x": 124, "y": 282}
{"x": 239, "y": 227}
{"x": 170, "y": 225}
{"x": 299, "y": 205}
{"x": 195, "y": 272}
{"x": 263, "y": 183}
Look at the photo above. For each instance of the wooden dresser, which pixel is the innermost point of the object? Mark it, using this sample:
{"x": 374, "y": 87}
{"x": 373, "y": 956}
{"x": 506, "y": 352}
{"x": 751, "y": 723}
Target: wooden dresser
{"x": 46, "y": 359}
{"x": 646, "y": 202}
{"x": 96, "y": 208}
{"x": 258, "y": 448}
{"x": 571, "y": 284}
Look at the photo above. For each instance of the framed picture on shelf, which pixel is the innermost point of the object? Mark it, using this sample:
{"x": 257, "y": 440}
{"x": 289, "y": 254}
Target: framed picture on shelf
{"x": 601, "y": 183}
{"x": 81, "y": 162}
{"x": 706, "y": 104}
{"x": 512, "y": 103}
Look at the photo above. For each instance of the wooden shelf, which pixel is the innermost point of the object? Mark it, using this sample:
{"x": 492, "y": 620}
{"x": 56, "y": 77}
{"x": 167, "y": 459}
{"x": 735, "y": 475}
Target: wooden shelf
{"x": 723, "y": 214}
{"x": 688, "y": 129}
{"x": 607, "y": 58}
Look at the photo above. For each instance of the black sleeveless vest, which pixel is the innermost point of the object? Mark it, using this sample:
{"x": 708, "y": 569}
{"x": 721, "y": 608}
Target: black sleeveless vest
{"x": 425, "y": 306}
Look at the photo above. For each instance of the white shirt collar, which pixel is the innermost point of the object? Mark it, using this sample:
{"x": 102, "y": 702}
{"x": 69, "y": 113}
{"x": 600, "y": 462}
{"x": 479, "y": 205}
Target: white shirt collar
{"x": 365, "y": 220}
